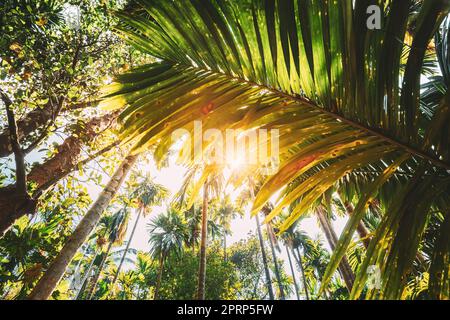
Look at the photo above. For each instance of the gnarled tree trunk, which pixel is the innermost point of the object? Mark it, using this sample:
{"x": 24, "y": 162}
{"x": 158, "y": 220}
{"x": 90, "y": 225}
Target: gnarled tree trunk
{"x": 31, "y": 122}
{"x": 14, "y": 205}
{"x": 69, "y": 151}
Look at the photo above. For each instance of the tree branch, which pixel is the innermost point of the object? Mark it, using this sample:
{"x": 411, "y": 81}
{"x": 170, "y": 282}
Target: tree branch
{"x": 35, "y": 119}
{"x": 37, "y": 193}
{"x": 37, "y": 141}
{"x": 21, "y": 177}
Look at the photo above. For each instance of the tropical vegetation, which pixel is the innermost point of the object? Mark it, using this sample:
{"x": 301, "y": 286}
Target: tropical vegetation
{"x": 93, "y": 90}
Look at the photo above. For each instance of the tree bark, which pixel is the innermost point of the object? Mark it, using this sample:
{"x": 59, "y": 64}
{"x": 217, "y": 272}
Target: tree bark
{"x": 99, "y": 272}
{"x": 275, "y": 262}
{"x": 69, "y": 151}
{"x": 224, "y": 246}
{"x": 203, "y": 240}
{"x": 31, "y": 122}
{"x": 302, "y": 270}
{"x": 361, "y": 228}
{"x": 264, "y": 259}
{"x": 48, "y": 282}
{"x": 293, "y": 273}
{"x": 344, "y": 267}
{"x": 14, "y": 204}
{"x": 38, "y": 119}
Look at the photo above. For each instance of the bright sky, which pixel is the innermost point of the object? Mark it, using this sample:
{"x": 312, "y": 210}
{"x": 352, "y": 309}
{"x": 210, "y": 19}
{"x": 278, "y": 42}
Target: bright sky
{"x": 172, "y": 178}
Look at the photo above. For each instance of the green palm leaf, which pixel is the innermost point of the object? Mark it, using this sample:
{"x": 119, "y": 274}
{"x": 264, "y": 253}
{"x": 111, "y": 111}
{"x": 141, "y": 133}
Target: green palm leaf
{"x": 343, "y": 97}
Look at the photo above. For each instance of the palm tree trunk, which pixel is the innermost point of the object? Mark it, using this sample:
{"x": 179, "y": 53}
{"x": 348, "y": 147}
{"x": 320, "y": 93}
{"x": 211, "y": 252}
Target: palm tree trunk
{"x": 85, "y": 278}
{"x": 99, "y": 272}
{"x": 224, "y": 246}
{"x": 344, "y": 267}
{"x": 50, "y": 279}
{"x": 361, "y": 228}
{"x": 275, "y": 262}
{"x": 363, "y": 233}
{"x": 264, "y": 259}
{"x": 204, "y": 235}
{"x": 73, "y": 282}
{"x": 302, "y": 270}
{"x": 293, "y": 273}
{"x": 126, "y": 249}
{"x": 160, "y": 273}
{"x": 263, "y": 250}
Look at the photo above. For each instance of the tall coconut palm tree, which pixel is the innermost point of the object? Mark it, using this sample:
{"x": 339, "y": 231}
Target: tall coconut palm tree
{"x": 54, "y": 273}
{"x": 148, "y": 194}
{"x": 344, "y": 98}
{"x": 272, "y": 239}
{"x": 288, "y": 238}
{"x": 293, "y": 240}
{"x": 115, "y": 226}
{"x": 211, "y": 181}
{"x": 264, "y": 259}
{"x": 193, "y": 217}
{"x": 212, "y": 186}
{"x": 225, "y": 213}
{"x": 167, "y": 234}
{"x": 250, "y": 196}
{"x": 291, "y": 266}
{"x": 203, "y": 244}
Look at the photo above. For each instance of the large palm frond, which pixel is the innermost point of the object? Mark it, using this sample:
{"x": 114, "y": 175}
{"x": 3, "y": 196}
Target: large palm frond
{"x": 344, "y": 98}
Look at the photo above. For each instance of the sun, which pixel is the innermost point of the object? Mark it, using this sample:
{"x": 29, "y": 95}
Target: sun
{"x": 236, "y": 163}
